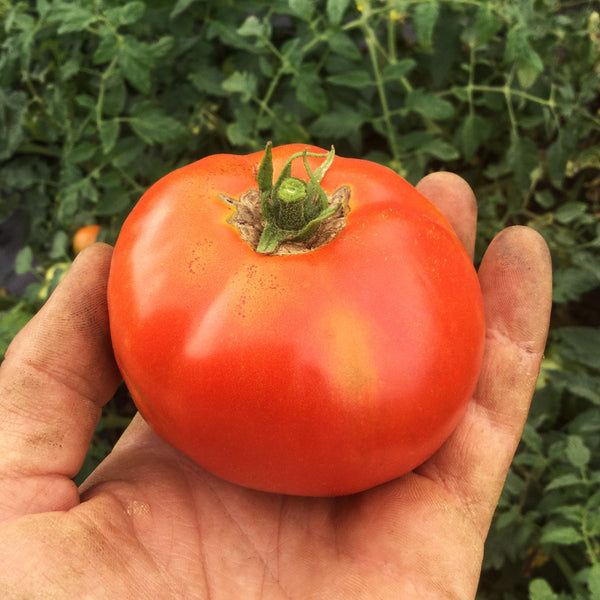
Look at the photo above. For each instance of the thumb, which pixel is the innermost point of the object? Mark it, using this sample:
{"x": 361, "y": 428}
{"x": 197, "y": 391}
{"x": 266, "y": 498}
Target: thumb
{"x": 58, "y": 373}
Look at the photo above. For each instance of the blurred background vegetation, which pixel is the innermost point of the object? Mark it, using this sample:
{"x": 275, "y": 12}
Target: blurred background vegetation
{"x": 99, "y": 98}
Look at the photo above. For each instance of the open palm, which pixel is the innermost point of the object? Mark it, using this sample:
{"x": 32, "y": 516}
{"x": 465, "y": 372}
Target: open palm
{"x": 149, "y": 523}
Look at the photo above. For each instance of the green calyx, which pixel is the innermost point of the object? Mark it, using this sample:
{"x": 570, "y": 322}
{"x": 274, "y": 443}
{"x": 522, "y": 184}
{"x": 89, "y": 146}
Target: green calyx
{"x": 292, "y": 209}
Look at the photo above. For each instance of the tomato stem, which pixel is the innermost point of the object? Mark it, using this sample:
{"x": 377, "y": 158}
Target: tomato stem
{"x": 293, "y": 209}
{"x": 291, "y": 193}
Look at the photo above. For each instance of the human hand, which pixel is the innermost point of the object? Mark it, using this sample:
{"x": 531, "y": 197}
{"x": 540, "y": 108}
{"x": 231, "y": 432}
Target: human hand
{"x": 149, "y": 523}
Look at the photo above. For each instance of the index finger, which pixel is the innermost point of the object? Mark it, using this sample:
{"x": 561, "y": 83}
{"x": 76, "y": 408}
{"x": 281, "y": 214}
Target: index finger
{"x": 455, "y": 199}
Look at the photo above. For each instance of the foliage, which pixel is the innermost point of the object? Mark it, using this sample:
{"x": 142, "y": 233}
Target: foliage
{"x": 98, "y": 99}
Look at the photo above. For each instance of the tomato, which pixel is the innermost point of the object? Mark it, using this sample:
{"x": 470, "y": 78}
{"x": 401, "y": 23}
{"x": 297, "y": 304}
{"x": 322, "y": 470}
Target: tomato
{"x": 320, "y": 372}
{"x": 84, "y": 237}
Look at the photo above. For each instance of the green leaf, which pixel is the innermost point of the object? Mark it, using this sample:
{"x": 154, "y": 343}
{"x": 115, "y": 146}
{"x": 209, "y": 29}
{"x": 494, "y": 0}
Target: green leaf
{"x": 414, "y": 140}
{"x": 587, "y": 158}
{"x": 518, "y": 51}
{"x": 517, "y": 43}
{"x": 208, "y": 80}
{"x": 579, "y": 344}
{"x": 11, "y": 322}
{"x": 522, "y": 157}
{"x": 86, "y": 101}
{"x": 539, "y": 589}
{"x": 343, "y": 45}
{"x": 440, "y": 149}
{"x": 545, "y": 199}
{"x": 568, "y": 480}
{"x": 316, "y": 198}
{"x": 303, "y": 8}
{"x": 399, "y": 69}
{"x": 82, "y": 152}
{"x": 264, "y": 179}
{"x": 109, "y": 133}
{"x": 579, "y": 384}
{"x": 127, "y": 150}
{"x": 111, "y": 203}
{"x": 180, "y": 7}
{"x": 472, "y": 133}
{"x": 487, "y": 24}
{"x": 593, "y": 580}
{"x": 72, "y": 17}
{"x": 310, "y": 92}
{"x": 336, "y": 10}
{"x": 43, "y": 7}
{"x": 341, "y": 122}
{"x": 254, "y": 27}
{"x": 514, "y": 484}
{"x": 571, "y": 283}
{"x": 569, "y": 212}
{"x": 135, "y": 61}
{"x": 429, "y": 105}
{"x": 239, "y": 132}
{"x": 152, "y": 126}
{"x": 532, "y": 439}
{"x": 288, "y": 126}
{"x": 460, "y": 92}
{"x": 69, "y": 69}
{"x": 24, "y": 260}
{"x": 13, "y": 107}
{"x": 161, "y": 48}
{"x": 425, "y": 18}
{"x": 271, "y": 237}
{"x": 560, "y": 535}
{"x": 352, "y": 79}
{"x": 130, "y": 13}
{"x": 115, "y": 95}
{"x": 577, "y": 453}
{"x": 60, "y": 244}
{"x": 559, "y": 154}
{"x": 241, "y": 83}
{"x": 527, "y": 74}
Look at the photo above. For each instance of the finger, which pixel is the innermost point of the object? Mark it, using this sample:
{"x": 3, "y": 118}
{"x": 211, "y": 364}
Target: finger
{"x": 58, "y": 372}
{"x": 516, "y": 281}
{"x": 455, "y": 199}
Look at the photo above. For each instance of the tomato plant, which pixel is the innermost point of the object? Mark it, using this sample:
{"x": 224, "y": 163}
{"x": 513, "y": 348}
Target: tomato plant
{"x": 325, "y": 346}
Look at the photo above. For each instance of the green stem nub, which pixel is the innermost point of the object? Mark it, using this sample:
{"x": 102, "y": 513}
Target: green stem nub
{"x": 292, "y": 189}
{"x": 292, "y": 193}
{"x": 292, "y": 208}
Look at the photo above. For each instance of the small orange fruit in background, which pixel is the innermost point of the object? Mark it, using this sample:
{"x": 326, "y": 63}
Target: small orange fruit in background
{"x": 84, "y": 237}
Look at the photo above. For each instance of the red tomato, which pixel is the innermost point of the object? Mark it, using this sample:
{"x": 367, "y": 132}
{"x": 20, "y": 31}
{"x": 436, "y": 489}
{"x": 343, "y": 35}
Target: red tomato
{"x": 320, "y": 373}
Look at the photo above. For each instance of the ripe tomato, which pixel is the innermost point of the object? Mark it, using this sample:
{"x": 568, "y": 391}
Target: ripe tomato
{"x": 323, "y": 372}
{"x": 85, "y": 236}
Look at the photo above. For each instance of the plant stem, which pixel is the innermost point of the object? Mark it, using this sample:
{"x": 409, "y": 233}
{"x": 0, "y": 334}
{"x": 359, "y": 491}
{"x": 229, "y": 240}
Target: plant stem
{"x": 470, "y": 86}
{"x": 371, "y": 42}
{"x": 102, "y": 91}
{"x": 587, "y": 539}
{"x": 565, "y": 568}
{"x": 291, "y": 193}
{"x": 32, "y": 148}
{"x": 550, "y": 103}
{"x": 507, "y": 90}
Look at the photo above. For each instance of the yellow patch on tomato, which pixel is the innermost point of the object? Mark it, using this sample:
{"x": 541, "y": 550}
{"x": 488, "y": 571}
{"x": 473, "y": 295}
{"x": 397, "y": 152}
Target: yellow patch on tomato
{"x": 348, "y": 343}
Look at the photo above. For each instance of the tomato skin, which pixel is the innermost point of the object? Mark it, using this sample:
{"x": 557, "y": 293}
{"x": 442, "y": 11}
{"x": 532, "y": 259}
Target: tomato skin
{"x": 322, "y": 373}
